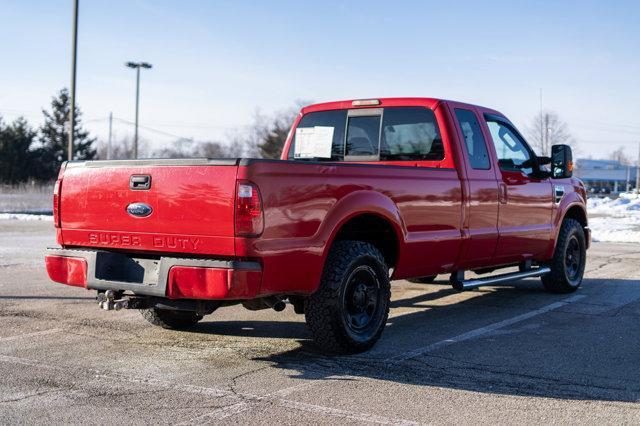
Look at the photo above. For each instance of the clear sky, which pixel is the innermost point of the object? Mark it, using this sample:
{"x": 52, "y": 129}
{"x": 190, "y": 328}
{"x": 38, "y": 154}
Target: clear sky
{"x": 215, "y": 62}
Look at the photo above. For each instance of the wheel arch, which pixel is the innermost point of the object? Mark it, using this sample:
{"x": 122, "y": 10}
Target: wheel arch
{"x": 577, "y": 212}
{"x": 571, "y": 210}
{"x": 373, "y": 229}
{"x": 367, "y": 216}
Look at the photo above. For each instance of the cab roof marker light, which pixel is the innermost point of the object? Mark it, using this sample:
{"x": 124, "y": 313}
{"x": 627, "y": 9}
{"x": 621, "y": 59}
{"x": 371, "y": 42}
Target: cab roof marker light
{"x": 365, "y": 102}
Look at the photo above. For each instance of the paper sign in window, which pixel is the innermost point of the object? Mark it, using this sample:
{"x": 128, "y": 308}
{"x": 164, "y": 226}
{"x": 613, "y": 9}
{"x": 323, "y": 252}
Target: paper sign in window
{"x": 313, "y": 142}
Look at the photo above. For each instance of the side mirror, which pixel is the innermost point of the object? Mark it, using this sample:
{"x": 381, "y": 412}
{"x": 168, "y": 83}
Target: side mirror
{"x": 544, "y": 160}
{"x": 561, "y": 161}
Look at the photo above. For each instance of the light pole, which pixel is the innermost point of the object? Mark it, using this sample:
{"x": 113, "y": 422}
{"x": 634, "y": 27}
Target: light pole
{"x": 72, "y": 107}
{"x": 137, "y": 66}
{"x": 638, "y": 173}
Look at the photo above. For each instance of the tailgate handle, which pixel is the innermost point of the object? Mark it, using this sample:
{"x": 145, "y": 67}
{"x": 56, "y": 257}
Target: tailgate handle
{"x": 140, "y": 182}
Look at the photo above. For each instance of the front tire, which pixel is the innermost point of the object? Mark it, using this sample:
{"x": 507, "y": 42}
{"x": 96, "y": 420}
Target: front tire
{"x": 569, "y": 259}
{"x": 171, "y": 319}
{"x": 349, "y": 311}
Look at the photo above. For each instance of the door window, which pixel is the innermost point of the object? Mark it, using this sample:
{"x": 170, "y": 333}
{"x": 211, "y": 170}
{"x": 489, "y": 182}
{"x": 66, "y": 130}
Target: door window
{"x": 473, "y": 139}
{"x": 513, "y": 153}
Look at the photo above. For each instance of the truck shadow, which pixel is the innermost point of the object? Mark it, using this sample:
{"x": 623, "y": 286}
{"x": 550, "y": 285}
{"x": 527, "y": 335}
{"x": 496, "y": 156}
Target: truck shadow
{"x": 257, "y": 328}
{"x": 566, "y": 353}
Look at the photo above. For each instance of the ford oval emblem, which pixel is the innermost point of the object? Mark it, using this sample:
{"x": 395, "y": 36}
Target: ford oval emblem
{"x": 139, "y": 209}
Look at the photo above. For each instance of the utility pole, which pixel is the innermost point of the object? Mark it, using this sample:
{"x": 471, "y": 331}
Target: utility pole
{"x": 547, "y": 148}
{"x": 72, "y": 108}
{"x": 638, "y": 172}
{"x": 135, "y": 137}
{"x": 541, "y": 126}
{"x": 109, "y": 140}
{"x": 137, "y": 66}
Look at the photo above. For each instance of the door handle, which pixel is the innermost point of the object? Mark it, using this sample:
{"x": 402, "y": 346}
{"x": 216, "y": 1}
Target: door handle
{"x": 140, "y": 182}
{"x": 558, "y": 193}
{"x": 502, "y": 193}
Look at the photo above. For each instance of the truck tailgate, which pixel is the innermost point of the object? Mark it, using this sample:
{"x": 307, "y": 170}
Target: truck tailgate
{"x": 191, "y": 201}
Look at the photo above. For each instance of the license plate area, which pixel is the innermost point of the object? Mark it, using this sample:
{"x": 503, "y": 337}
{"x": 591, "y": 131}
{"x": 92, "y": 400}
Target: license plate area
{"x": 122, "y": 268}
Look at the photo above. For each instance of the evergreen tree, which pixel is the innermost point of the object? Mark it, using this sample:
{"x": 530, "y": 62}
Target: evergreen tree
{"x": 273, "y": 140}
{"x": 16, "y": 156}
{"x": 272, "y": 131}
{"x": 54, "y": 136}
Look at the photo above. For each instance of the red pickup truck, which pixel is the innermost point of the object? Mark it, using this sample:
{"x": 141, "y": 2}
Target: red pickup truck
{"x": 366, "y": 191}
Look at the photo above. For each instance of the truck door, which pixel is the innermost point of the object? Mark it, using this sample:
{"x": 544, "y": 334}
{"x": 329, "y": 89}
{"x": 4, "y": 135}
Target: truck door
{"x": 481, "y": 200}
{"x": 525, "y": 198}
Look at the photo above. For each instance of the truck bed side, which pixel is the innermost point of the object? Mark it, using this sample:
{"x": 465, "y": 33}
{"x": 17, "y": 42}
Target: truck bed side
{"x": 307, "y": 204}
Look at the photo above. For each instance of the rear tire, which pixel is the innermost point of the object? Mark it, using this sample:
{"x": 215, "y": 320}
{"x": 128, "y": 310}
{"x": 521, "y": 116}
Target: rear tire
{"x": 171, "y": 319}
{"x": 349, "y": 311}
{"x": 569, "y": 259}
{"x": 423, "y": 280}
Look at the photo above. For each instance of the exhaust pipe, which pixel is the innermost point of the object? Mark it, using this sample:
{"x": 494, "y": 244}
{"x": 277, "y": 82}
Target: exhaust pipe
{"x": 272, "y": 302}
{"x": 276, "y": 304}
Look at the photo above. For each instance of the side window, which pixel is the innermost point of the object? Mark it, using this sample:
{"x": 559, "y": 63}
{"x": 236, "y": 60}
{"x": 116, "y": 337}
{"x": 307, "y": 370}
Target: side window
{"x": 512, "y": 151}
{"x": 473, "y": 139}
{"x": 410, "y": 134}
{"x": 363, "y": 134}
{"x": 335, "y": 119}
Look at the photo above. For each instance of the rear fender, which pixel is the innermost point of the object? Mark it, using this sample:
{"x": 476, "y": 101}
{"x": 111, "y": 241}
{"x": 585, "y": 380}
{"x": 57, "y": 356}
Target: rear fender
{"x": 359, "y": 203}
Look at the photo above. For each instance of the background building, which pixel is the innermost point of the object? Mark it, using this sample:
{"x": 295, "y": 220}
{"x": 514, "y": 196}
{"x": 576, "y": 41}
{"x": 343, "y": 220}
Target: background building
{"x": 605, "y": 176}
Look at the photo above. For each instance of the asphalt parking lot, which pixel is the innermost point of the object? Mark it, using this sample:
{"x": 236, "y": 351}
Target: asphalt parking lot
{"x": 499, "y": 354}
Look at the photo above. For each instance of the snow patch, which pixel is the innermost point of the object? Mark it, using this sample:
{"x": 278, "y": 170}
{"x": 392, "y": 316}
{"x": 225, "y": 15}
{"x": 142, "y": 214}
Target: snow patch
{"x": 26, "y": 216}
{"x": 626, "y": 203}
{"x": 617, "y": 220}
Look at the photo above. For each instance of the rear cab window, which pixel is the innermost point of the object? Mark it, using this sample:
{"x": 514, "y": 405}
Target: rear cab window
{"x": 307, "y": 129}
{"x": 368, "y": 134}
{"x": 363, "y": 134}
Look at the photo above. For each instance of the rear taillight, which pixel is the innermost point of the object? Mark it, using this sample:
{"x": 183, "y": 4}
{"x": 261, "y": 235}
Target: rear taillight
{"x": 56, "y": 202}
{"x": 249, "y": 221}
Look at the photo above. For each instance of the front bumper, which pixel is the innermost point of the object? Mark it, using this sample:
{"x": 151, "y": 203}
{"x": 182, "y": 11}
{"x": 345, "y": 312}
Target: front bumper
{"x": 171, "y": 277}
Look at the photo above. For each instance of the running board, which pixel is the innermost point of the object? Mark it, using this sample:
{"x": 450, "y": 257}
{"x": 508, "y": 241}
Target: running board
{"x": 462, "y": 284}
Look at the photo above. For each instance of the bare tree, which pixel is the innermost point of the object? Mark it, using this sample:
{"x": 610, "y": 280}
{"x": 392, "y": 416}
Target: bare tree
{"x": 122, "y": 149}
{"x": 180, "y": 148}
{"x": 547, "y": 129}
{"x": 268, "y": 133}
{"x": 232, "y": 149}
{"x": 620, "y": 156}
{"x": 263, "y": 137}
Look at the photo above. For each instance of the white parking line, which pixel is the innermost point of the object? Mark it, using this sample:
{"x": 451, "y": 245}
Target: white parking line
{"x": 218, "y": 414}
{"x": 27, "y": 335}
{"x": 223, "y": 412}
{"x": 328, "y": 411}
{"x": 277, "y": 396}
{"x": 296, "y": 388}
{"x": 249, "y": 399}
{"x": 483, "y": 330}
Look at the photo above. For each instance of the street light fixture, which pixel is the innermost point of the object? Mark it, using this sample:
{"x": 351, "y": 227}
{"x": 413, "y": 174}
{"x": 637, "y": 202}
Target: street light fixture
{"x": 137, "y": 66}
